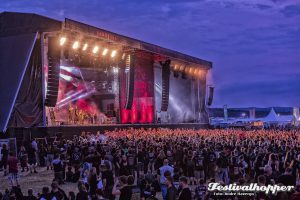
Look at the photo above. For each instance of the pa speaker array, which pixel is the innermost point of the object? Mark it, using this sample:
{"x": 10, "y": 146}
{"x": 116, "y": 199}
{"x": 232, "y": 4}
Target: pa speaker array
{"x": 53, "y": 72}
{"x": 165, "y": 85}
{"x": 130, "y": 61}
{"x": 210, "y": 95}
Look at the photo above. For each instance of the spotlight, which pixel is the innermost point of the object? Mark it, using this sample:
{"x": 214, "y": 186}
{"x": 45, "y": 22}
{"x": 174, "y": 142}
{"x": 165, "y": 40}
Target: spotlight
{"x": 123, "y": 56}
{"x": 186, "y": 69}
{"x": 199, "y": 72}
{"x": 96, "y": 49}
{"x": 85, "y": 46}
{"x": 113, "y": 53}
{"x": 181, "y": 68}
{"x": 175, "y": 67}
{"x": 62, "y": 41}
{"x": 196, "y": 71}
{"x": 75, "y": 45}
{"x": 191, "y": 70}
{"x": 104, "y": 52}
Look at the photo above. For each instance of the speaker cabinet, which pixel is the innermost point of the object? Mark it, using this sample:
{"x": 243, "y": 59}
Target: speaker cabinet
{"x": 53, "y": 72}
{"x": 130, "y": 61}
{"x": 165, "y": 85}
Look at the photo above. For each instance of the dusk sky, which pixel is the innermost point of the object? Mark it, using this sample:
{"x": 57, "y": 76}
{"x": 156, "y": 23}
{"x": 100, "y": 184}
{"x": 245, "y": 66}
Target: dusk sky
{"x": 254, "y": 44}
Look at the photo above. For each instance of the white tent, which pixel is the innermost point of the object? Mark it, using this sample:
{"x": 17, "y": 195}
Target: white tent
{"x": 271, "y": 117}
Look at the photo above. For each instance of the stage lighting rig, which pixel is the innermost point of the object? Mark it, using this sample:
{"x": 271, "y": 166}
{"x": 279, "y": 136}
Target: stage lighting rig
{"x": 95, "y": 49}
{"x": 181, "y": 68}
{"x": 85, "y": 46}
{"x": 104, "y": 52}
{"x": 113, "y": 53}
{"x": 62, "y": 41}
{"x": 75, "y": 45}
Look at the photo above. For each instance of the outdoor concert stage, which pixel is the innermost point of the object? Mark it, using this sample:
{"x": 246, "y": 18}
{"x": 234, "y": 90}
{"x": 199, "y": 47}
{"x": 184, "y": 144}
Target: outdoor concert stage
{"x": 66, "y": 77}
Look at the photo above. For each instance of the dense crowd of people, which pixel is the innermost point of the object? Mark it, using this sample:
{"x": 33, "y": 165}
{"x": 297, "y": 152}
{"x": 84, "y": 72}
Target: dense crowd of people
{"x": 160, "y": 164}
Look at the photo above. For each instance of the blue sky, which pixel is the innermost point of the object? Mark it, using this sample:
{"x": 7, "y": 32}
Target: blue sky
{"x": 253, "y": 44}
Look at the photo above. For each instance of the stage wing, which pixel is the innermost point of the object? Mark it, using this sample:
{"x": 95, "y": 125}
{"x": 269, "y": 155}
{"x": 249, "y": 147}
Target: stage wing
{"x": 15, "y": 52}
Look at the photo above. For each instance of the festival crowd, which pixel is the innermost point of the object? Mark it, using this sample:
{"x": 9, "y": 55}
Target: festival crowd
{"x": 159, "y": 164}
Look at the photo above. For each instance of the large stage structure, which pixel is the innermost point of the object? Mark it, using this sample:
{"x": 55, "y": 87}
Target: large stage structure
{"x": 67, "y": 75}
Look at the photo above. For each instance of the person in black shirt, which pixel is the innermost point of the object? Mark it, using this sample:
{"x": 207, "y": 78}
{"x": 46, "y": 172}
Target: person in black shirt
{"x": 131, "y": 160}
{"x": 171, "y": 191}
{"x": 93, "y": 181}
{"x": 32, "y": 159}
{"x": 124, "y": 167}
{"x": 4, "y": 159}
{"x": 125, "y": 191}
{"x": 82, "y": 194}
{"x": 185, "y": 193}
{"x": 200, "y": 190}
{"x": 45, "y": 194}
{"x": 30, "y": 195}
{"x": 58, "y": 169}
{"x": 287, "y": 179}
{"x": 72, "y": 196}
{"x": 69, "y": 174}
{"x": 261, "y": 180}
{"x": 99, "y": 195}
{"x": 56, "y": 192}
{"x": 108, "y": 181}
{"x": 76, "y": 157}
{"x": 76, "y": 175}
{"x": 142, "y": 160}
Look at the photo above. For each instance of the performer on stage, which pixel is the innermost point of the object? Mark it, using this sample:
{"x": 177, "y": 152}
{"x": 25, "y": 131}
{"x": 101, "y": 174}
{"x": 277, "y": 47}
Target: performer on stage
{"x": 71, "y": 113}
{"x": 76, "y": 115}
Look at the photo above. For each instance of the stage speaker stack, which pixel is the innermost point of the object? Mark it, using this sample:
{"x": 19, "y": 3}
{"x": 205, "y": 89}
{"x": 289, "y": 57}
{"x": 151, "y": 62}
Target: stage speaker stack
{"x": 130, "y": 60}
{"x": 53, "y": 72}
{"x": 165, "y": 85}
{"x": 210, "y": 95}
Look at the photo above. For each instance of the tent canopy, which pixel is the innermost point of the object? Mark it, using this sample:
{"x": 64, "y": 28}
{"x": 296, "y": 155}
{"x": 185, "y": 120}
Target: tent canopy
{"x": 271, "y": 117}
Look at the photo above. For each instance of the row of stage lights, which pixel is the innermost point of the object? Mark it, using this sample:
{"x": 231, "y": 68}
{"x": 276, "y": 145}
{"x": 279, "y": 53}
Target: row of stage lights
{"x": 95, "y": 49}
{"x": 184, "y": 70}
{"x": 192, "y": 71}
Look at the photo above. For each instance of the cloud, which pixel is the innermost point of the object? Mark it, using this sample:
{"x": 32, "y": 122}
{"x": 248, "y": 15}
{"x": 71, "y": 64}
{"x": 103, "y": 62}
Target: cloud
{"x": 291, "y": 10}
{"x": 253, "y": 44}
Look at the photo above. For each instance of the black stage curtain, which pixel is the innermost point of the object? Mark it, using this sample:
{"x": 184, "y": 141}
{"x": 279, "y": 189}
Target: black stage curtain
{"x": 28, "y": 109}
{"x": 15, "y": 52}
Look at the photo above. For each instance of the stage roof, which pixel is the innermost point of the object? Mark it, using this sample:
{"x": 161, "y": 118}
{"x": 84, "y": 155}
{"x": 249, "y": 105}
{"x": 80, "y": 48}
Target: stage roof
{"x": 13, "y": 23}
{"x": 133, "y": 43}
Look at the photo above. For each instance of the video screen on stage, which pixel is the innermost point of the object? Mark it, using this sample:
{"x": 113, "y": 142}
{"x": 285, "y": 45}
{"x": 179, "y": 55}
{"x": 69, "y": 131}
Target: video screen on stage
{"x": 85, "y": 96}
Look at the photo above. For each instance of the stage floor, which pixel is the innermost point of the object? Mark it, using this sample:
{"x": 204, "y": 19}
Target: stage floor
{"x": 68, "y": 131}
{"x": 133, "y": 125}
